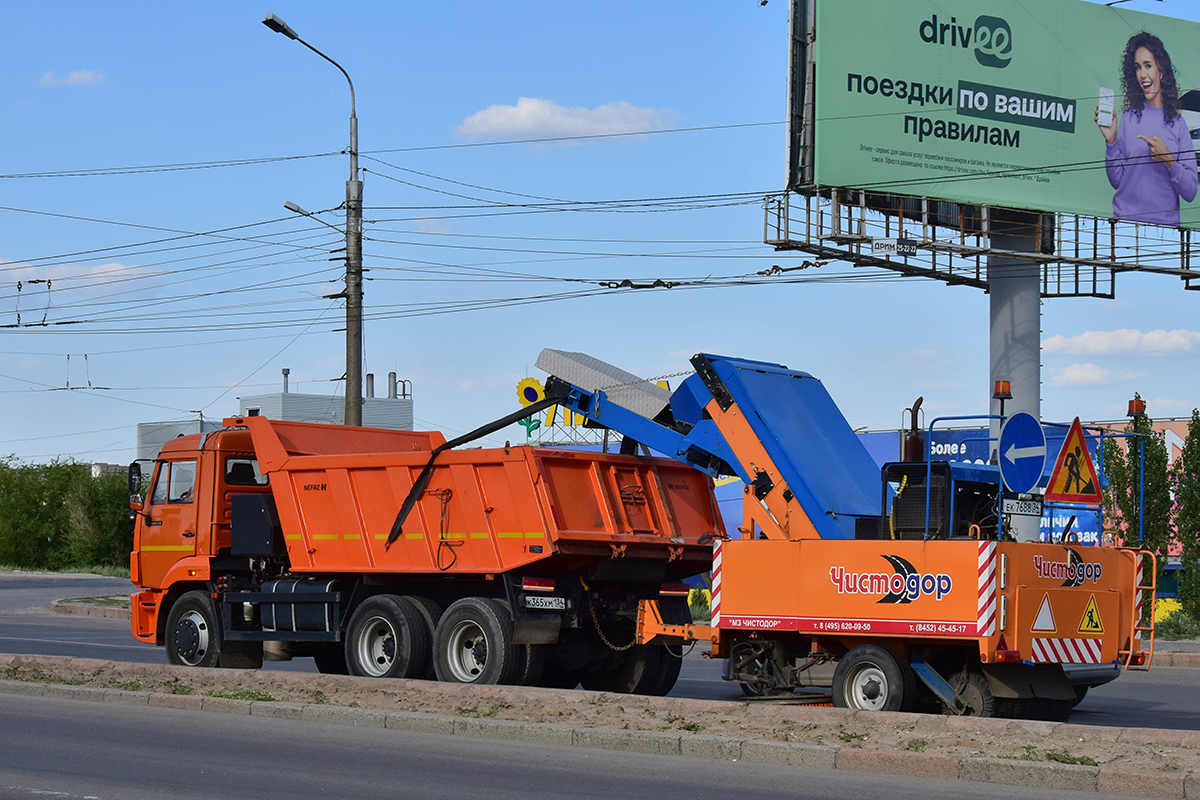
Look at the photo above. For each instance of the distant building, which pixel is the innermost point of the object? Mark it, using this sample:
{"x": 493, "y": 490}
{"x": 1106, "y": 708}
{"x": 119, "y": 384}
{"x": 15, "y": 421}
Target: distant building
{"x": 100, "y": 469}
{"x": 151, "y": 436}
{"x": 394, "y": 411}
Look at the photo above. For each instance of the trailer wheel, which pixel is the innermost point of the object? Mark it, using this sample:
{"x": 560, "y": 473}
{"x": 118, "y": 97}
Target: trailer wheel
{"x": 386, "y": 638}
{"x": 973, "y": 689}
{"x": 637, "y": 672}
{"x": 474, "y": 644}
{"x": 670, "y": 662}
{"x": 870, "y": 678}
{"x": 193, "y": 636}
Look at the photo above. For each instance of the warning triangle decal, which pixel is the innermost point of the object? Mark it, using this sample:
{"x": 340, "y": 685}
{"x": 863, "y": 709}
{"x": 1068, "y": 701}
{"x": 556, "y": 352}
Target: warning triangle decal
{"x": 1074, "y": 479}
{"x": 1091, "y": 622}
{"x": 1045, "y": 617}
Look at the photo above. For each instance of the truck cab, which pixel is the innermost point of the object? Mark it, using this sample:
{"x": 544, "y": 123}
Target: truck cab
{"x": 184, "y": 519}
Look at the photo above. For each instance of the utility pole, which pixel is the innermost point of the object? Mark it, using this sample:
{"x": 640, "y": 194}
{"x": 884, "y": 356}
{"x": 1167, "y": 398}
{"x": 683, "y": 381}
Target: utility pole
{"x": 354, "y": 293}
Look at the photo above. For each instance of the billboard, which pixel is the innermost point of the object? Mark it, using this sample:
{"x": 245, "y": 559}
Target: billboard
{"x": 1060, "y": 105}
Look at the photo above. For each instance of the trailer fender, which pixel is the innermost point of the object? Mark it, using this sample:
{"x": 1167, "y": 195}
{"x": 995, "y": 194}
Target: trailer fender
{"x": 1028, "y": 681}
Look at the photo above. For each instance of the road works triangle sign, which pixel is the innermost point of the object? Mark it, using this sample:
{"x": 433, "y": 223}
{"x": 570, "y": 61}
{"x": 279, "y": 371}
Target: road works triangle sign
{"x": 1074, "y": 479}
{"x": 1091, "y": 622}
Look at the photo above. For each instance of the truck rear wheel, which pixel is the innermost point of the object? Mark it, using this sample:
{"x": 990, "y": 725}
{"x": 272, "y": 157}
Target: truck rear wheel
{"x": 430, "y": 612}
{"x": 870, "y": 678}
{"x": 474, "y": 644}
{"x": 387, "y": 638}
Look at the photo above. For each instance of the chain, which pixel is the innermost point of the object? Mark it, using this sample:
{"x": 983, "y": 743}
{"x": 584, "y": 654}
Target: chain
{"x": 646, "y": 380}
{"x": 603, "y": 638}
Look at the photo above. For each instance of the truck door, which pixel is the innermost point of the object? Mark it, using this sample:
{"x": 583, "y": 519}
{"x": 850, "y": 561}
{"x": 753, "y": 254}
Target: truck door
{"x": 167, "y": 527}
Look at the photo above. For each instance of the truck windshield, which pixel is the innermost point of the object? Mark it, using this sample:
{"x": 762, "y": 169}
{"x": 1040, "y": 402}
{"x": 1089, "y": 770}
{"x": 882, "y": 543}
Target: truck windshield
{"x": 174, "y": 483}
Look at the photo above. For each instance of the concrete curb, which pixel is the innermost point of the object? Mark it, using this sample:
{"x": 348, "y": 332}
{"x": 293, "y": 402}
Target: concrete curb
{"x": 85, "y": 610}
{"x": 1010, "y": 772}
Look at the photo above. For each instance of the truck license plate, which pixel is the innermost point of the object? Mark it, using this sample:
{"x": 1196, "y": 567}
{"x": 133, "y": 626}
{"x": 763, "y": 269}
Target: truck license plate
{"x": 1022, "y": 508}
{"x": 552, "y": 603}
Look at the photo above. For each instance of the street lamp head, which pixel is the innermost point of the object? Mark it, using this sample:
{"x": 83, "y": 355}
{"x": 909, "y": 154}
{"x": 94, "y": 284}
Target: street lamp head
{"x": 295, "y": 209}
{"x": 279, "y": 26}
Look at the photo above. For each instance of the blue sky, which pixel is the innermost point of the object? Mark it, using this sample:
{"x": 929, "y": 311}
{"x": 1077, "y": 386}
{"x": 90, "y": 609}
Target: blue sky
{"x": 147, "y": 321}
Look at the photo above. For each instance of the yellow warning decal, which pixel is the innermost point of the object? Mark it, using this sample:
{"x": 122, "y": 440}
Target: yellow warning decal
{"x": 1045, "y": 617}
{"x": 1074, "y": 479}
{"x": 1091, "y": 622}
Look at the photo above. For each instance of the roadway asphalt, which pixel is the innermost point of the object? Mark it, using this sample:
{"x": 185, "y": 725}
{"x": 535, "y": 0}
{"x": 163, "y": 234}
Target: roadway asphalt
{"x": 72, "y": 749}
{"x": 1164, "y": 697}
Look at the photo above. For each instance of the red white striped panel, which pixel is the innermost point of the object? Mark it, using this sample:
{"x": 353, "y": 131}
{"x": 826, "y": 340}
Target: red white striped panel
{"x": 1137, "y": 607}
{"x": 986, "y": 624}
{"x": 716, "y": 584}
{"x": 1066, "y": 651}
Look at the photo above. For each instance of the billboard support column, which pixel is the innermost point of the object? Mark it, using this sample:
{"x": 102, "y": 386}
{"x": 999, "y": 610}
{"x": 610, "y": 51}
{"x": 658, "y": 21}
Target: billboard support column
{"x": 1014, "y": 291}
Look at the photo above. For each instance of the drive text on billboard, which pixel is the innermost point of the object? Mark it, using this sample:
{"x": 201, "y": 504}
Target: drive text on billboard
{"x": 1002, "y": 102}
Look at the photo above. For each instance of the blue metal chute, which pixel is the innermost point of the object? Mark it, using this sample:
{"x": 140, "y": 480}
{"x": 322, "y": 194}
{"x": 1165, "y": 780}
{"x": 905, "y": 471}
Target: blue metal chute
{"x": 814, "y": 451}
{"x": 832, "y": 475}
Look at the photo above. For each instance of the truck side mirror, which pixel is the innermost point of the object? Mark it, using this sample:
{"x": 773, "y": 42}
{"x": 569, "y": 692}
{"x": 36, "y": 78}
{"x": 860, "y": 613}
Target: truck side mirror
{"x": 135, "y": 478}
{"x": 136, "y": 502}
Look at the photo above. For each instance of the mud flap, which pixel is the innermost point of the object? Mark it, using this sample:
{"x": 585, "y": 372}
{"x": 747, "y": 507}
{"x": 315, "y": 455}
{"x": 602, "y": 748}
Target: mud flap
{"x": 1028, "y": 681}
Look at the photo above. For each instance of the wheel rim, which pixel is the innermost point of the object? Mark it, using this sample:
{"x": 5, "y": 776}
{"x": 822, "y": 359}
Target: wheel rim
{"x": 867, "y": 688}
{"x": 376, "y": 647}
{"x": 191, "y": 638}
{"x": 466, "y": 651}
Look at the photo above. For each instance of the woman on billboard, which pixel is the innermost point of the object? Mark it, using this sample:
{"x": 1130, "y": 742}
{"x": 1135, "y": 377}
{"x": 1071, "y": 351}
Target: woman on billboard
{"x": 1150, "y": 158}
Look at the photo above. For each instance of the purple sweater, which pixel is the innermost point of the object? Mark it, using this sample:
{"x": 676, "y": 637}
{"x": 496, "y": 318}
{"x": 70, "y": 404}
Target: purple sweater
{"x": 1146, "y": 190}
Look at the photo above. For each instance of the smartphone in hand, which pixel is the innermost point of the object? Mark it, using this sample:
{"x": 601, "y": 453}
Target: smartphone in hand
{"x": 1105, "y": 118}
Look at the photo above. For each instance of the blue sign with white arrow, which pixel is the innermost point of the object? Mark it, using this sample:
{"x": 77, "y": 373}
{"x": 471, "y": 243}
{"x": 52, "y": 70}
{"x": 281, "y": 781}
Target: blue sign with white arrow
{"x": 1022, "y": 452}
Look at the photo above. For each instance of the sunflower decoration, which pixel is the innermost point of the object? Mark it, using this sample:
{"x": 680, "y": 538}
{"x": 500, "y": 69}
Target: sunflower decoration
{"x": 530, "y": 391}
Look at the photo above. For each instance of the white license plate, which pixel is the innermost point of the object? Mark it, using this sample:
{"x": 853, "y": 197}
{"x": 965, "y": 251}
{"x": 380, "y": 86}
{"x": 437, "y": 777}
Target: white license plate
{"x": 551, "y": 603}
{"x": 1022, "y": 508}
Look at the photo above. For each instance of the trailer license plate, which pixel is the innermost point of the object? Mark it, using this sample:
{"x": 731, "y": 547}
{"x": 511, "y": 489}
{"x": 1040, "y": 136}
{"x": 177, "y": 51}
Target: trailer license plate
{"x": 551, "y": 603}
{"x": 1022, "y": 508}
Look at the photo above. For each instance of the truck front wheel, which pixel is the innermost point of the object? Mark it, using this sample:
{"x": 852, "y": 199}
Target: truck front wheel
{"x": 474, "y": 644}
{"x": 387, "y": 638}
{"x": 193, "y": 636}
{"x": 870, "y": 678}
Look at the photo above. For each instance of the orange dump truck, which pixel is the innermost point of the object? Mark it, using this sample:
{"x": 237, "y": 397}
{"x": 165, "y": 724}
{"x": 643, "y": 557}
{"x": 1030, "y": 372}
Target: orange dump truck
{"x": 901, "y": 588}
{"x": 513, "y": 565}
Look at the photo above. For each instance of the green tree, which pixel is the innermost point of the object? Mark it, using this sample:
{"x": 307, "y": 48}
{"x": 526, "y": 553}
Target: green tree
{"x": 1185, "y": 478}
{"x": 1123, "y": 468}
{"x": 100, "y": 532}
{"x": 33, "y": 515}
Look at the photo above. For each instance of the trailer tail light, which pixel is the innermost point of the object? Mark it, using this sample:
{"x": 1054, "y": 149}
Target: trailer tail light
{"x": 1137, "y": 659}
{"x": 674, "y": 590}
{"x": 537, "y": 584}
{"x": 1004, "y": 655}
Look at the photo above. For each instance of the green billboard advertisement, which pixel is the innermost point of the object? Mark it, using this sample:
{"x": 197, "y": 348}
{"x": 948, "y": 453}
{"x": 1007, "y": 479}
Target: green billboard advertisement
{"x": 1055, "y": 105}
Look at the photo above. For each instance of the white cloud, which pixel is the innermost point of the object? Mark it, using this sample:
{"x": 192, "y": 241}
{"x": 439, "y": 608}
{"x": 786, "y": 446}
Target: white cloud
{"x": 533, "y": 116}
{"x": 1090, "y": 375}
{"x": 76, "y": 77}
{"x": 1124, "y": 340}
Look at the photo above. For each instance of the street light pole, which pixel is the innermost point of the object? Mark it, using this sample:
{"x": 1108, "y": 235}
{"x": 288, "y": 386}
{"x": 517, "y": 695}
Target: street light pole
{"x": 354, "y": 292}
